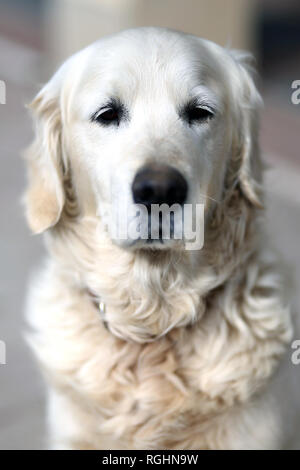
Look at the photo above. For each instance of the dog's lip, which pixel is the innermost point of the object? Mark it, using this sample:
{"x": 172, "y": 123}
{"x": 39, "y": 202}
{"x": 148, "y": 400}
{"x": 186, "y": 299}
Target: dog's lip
{"x": 154, "y": 244}
{"x": 150, "y": 241}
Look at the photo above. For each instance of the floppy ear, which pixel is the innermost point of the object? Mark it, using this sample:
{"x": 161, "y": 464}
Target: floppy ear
{"x": 44, "y": 198}
{"x": 246, "y": 152}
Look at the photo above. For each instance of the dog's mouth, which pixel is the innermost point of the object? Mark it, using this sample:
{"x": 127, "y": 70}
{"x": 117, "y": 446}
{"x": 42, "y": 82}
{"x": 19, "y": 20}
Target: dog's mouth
{"x": 159, "y": 228}
{"x": 155, "y": 233}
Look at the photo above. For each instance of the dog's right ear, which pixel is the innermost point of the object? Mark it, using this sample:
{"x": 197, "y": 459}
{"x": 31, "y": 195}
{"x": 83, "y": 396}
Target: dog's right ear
{"x": 246, "y": 151}
{"x": 44, "y": 198}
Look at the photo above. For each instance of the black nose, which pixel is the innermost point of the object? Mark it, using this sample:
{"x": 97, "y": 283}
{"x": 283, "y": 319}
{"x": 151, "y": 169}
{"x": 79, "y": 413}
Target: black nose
{"x": 159, "y": 184}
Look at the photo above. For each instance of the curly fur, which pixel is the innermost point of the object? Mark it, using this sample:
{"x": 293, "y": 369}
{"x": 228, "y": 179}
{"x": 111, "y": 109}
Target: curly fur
{"x": 193, "y": 338}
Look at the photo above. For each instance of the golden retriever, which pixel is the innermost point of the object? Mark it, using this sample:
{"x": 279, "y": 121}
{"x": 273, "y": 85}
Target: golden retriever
{"x": 147, "y": 343}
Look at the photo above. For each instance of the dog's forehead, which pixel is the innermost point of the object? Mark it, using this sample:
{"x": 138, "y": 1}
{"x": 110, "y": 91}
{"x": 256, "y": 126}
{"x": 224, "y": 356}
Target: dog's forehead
{"x": 146, "y": 63}
{"x": 146, "y": 51}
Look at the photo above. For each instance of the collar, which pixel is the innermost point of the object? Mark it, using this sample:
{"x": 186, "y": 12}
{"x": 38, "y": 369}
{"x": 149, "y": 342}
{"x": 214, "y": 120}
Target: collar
{"x": 100, "y": 305}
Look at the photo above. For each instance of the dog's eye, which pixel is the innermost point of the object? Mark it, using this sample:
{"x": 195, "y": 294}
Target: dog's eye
{"x": 108, "y": 116}
{"x": 199, "y": 114}
{"x": 111, "y": 113}
{"x": 194, "y": 113}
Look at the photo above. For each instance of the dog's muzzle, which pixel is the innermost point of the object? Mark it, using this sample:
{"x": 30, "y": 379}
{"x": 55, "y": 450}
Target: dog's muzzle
{"x": 159, "y": 184}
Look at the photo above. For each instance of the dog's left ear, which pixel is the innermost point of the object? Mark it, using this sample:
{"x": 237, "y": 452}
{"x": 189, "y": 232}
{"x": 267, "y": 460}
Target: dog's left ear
{"x": 44, "y": 198}
{"x": 245, "y": 151}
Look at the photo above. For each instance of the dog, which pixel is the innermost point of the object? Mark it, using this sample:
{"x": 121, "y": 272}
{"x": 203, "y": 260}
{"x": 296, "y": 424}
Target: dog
{"x": 144, "y": 343}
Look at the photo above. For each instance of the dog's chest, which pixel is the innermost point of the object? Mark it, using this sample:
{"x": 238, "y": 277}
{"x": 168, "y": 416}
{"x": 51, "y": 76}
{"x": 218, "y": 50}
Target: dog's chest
{"x": 141, "y": 394}
{"x": 144, "y": 392}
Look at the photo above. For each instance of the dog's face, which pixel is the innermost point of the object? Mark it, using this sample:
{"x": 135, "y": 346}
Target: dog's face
{"x": 147, "y": 117}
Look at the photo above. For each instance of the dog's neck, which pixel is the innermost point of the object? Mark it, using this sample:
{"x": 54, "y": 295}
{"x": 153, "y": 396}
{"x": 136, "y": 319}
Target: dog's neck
{"x": 147, "y": 293}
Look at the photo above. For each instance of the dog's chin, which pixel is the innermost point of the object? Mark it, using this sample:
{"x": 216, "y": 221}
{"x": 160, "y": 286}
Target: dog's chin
{"x": 149, "y": 244}
{"x": 159, "y": 239}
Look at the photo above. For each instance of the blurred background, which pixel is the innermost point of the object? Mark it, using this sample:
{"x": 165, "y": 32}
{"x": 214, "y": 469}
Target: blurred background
{"x": 35, "y": 37}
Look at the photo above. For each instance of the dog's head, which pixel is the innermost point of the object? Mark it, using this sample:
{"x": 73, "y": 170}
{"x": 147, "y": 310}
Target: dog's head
{"x": 143, "y": 118}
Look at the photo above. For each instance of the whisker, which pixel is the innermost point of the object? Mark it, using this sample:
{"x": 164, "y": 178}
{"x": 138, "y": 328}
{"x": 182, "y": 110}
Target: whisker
{"x": 208, "y": 197}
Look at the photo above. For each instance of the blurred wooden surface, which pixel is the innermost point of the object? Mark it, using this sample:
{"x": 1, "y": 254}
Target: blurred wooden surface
{"x": 227, "y": 23}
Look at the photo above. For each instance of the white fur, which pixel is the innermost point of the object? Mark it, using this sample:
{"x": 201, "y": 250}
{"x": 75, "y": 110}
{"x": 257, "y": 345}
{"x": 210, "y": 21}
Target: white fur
{"x": 193, "y": 338}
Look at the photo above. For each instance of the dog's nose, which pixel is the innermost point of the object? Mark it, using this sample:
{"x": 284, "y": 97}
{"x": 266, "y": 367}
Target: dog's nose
{"x": 159, "y": 184}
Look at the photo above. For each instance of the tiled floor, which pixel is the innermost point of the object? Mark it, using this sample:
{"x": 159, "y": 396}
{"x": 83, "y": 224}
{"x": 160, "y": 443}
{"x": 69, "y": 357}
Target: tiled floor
{"x": 21, "y": 388}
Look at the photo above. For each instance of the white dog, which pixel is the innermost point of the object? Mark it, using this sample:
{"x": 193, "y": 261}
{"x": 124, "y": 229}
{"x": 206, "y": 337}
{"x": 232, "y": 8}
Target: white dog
{"x": 147, "y": 344}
